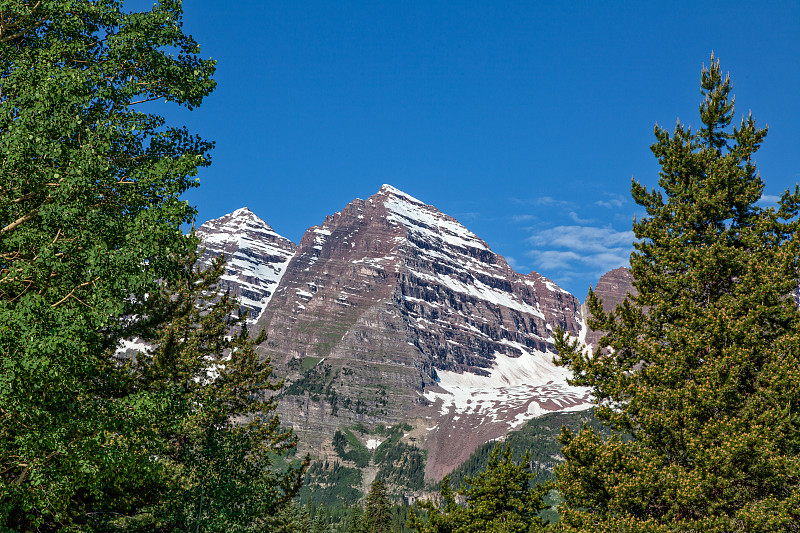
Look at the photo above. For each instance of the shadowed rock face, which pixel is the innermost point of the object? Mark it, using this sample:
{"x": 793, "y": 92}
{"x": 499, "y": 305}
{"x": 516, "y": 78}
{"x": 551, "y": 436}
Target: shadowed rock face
{"x": 612, "y": 288}
{"x": 390, "y": 311}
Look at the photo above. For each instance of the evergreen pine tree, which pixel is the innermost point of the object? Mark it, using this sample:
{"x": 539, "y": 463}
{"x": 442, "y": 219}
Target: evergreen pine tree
{"x": 320, "y": 525}
{"x": 302, "y": 521}
{"x": 437, "y": 518}
{"x": 377, "y": 508}
{"x": 356, "y": 521}
{"x": 501, "y": 498}
{"x": 699, "y": 373}
{"x": 206, "y": 460}
{"x": 287, "y": 520}
{"x": 498, "y": 499}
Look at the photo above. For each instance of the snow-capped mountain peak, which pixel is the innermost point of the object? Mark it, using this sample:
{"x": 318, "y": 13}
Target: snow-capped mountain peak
{"x": 402, "y": 300}
{"x": 427, "y": 222}
{"x": 256, "y": 256}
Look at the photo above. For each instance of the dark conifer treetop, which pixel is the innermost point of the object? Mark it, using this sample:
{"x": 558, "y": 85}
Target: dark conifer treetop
{"x": 699, "y": 373}
{"x": 501, "y": 498}
{"x": 377, "y": 508}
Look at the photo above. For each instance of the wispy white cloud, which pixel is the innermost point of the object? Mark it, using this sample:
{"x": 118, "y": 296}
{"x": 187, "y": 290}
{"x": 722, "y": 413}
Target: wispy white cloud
{"x": 768, "y": 199}
{"x": 613, "y": 201}
{"x": 590, "y": 239}
{"x": 542, "y": 201}
{"x": 610, "y": 203}
{"x": 579, "y": 252}
{"x": 574, "y": 243}
{"x": 565, "y": 261}
{"x": 609, "y": 260}
{"x": 554, "y": 259}
{"x": 549, "y": 200}
{"x": 577, "y": 219}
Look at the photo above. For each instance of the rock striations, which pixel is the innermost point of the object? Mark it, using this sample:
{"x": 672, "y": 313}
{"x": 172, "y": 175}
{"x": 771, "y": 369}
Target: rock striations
{"x": 256, "y": 256}
{"x": 393, "y": 312}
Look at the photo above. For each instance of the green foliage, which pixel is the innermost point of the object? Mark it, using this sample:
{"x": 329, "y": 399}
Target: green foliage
{"x": 403, "y": 466}
{"x": 339, "y": 443}
{"x": 435, "y": 518}
{"x": 700, "y": 369}
{"x": 317, "y": 382}
{"x": 370, "y": 402}
{"x": 393, "y": 434}
{"x": 331, "y": 484}
{"x": 220, "y": 441}
{"x": 197, "y": 440}
{"x": 400, "y": 514}
{"x": 292, "y": 518}
{"x": 313, "y": 382}
{"x": 361, "y": 428}
{"x": 356, "y": 522}
{"x": 357, "y": 453}
{"x": 91, "y": 253}
{"x": 310, "y": 362}
{"x": 399, "y": 464}
{"x": 539, "y": 438}
{"x": 339, "y": 518}
{"x": 319, "y": 525}
{"x": 90, "y": 221}
{"x": 501, "y": 498}
{"x": 377, "y": 508}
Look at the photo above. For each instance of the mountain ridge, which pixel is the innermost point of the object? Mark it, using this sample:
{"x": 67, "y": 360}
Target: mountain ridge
{"x": 391, "y": 312}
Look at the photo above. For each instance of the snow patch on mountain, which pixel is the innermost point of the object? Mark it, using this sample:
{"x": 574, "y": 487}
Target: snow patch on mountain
{"x": 518, "y": 389}
{"x": 428, "y": 222}
{"x": 481, "y": 291}
{"x": 256, "y": 256}
{"x": 405, "y": 295}
{"x": 372, "y": 444}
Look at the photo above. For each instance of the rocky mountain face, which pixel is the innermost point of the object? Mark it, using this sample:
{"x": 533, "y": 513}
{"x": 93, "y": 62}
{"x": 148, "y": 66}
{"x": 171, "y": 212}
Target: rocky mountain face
{"x": 611, "y": 288}
{"x": 391, "y": 313}
{"x": 256, "y": 257}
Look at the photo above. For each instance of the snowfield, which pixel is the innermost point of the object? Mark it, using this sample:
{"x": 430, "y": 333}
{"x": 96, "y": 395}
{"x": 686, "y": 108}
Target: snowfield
{"x": 517, "y": 390}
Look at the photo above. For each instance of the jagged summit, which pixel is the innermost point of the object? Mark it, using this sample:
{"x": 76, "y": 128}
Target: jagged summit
{"x": 415, "y": 316}
{"x": 427, "y": 222}
{"x": 256, "y": 256}
{"x": 611, "y": 288}
{"x": 547, "y": 282}
{"x": 388, "y": 189}
{"x": 239, "y": 224}
{"x": 390, "y": 311}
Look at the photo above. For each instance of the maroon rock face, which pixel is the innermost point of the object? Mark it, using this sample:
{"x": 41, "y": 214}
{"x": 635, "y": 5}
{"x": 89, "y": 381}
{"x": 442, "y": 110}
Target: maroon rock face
{"x": 391, "y": 311}
{"x": 614, "y": 286}
{"x": 255, "y": 256}
{"x": 612, "y": 289}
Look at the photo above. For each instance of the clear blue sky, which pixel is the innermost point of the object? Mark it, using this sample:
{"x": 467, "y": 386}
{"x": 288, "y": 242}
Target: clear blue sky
{"x": 524, "y": 120}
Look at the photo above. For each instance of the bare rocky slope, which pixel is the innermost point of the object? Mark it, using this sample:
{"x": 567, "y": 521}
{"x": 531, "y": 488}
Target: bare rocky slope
{"x": 391, "y": 313}
{"x": 611, "y": 288}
